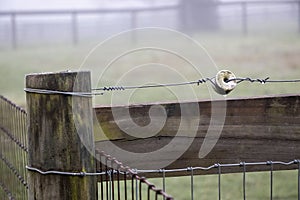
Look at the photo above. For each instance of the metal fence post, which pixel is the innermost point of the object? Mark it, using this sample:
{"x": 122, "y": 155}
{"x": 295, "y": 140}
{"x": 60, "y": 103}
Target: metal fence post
{"x": 56, "y": 141}
{"x": 74, "y": 16}
{"x": 13, "y": 31}
{"x": 244, "y": 18}
{"x": 299, "y": 16}
{"x": 133, "y": 25}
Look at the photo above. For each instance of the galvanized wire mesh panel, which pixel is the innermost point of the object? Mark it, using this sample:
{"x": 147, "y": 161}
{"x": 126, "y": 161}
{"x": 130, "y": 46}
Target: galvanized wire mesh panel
{"x": 13, "y": 151}
{"x": 121, "y": 182}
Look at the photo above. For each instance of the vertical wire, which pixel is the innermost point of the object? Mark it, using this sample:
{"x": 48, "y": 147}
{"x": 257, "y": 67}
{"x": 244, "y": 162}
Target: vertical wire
{"x": 101, "y": 178}
{"x": 192, "y": 183}
{"x": 219, "y": 180}
{"x": 112, "y": 182}
{"x": 140, "y": 189}
{"x": 15, "y": 148}
{"x": 164, "y": 181}
{"x": 125, "y": 185}
{"x": 136, "y": 190}
{"x": 2, "y": 192}
{"x": 119, "y": 189}
{"x": 8, "y": 155}
{"x": 4, "y": 173}
{"x": 20, "y": 151}
{"x": 106, "y": 179}
{"x": 110, "y": 186}
{"x": 24, "y": 156}
{"x": 271, "y": 180}
{"x": 21, "y": 163}
{"x": 148, "y": 193}
{"x": 132, "y": 187}
{"x": 244, "y": 180}
{"x": 298, "y": 179}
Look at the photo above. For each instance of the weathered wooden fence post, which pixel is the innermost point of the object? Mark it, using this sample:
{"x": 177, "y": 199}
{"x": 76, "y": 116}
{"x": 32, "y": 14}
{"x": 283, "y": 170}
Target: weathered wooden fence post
{"x": 56, "y": 142}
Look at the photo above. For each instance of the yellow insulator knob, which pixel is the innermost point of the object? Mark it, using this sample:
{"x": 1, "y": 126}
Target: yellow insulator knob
{"x": 224, "y": 82}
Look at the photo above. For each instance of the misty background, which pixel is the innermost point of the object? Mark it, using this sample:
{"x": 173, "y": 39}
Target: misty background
{"x": 36, "y": 22}
{"x": 256, "y": 39}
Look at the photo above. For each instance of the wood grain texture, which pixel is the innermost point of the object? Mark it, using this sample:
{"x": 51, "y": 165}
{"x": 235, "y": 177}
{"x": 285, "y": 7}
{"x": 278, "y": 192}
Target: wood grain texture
{"x": 55, "y": 141}
{"x": 255, "y": 129}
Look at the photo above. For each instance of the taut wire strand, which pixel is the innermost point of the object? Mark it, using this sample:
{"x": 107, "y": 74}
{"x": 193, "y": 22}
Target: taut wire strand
{"x": 138, "y": 171}
{"x": 244, "y": 179}
{"x": 197, "y": 82}
{"x": 211, "y": 80}
{"x": 79, "y": 94}
{"x": 265, "y": 80}
{"x": 115, "y": 88}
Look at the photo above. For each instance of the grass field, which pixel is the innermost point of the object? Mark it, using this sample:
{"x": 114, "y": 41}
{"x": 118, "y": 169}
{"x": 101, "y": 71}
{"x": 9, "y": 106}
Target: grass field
{"x": 276, "y": 56}
{"x": 257, "y": 187}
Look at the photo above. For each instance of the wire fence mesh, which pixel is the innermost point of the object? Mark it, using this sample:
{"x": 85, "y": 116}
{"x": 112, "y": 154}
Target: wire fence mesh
{"x": 122, "y": 182}
{"x": 115, "y": 180}
{"x": 240, "y": 178}
{"x": 13, "y": 151}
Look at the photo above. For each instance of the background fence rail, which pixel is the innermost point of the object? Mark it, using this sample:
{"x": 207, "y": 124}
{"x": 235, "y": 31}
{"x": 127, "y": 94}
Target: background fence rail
{"x": 180, "y": 18}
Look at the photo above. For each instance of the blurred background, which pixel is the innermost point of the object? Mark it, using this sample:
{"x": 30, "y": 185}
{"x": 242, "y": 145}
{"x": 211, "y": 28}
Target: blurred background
{"x": 251, "y": 38}
{"x": 38, "y": 22}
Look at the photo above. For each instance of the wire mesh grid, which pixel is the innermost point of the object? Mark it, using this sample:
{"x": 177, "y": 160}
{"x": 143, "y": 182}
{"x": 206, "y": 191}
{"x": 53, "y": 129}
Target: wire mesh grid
{"x": 237, "y": 171}
{"x": 115, "y": 184}
{"x": 115, "y": 181}
{"x": 121, "y": 182}
{"x": 13, "y": 151}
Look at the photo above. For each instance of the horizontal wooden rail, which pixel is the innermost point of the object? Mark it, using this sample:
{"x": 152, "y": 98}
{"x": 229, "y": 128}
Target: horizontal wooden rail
{"x": 255, "y": 129}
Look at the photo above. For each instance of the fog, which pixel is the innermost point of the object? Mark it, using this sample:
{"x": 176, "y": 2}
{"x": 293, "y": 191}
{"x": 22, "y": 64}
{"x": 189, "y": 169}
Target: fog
{"x": 188, "y": 16}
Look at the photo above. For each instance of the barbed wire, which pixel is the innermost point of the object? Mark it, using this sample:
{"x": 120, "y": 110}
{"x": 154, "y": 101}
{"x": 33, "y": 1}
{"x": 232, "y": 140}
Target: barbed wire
{"x": 265, "y": 80}
{"x": 197, "y": 82}
{"x": 113, "y": 88}
{"x": 121, "y": 88}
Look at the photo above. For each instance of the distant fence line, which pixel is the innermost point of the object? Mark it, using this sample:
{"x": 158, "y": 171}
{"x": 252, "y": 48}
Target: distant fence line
{"x": 74, "y": 17}
{"x": 133, "y": 12}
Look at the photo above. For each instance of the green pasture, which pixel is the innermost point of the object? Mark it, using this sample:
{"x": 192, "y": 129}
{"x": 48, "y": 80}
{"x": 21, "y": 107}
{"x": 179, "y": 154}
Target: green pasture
{"x": 275, "y": 56}
{"x": 257, "y": 56}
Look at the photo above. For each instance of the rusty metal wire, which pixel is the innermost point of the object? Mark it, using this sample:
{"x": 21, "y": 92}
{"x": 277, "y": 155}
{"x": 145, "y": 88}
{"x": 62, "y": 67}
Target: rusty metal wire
{"x": 13, "y": 151}
{"x": 138, "y": 185}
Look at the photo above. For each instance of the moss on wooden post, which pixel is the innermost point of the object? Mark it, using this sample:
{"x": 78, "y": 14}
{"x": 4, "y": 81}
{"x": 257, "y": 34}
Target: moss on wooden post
{"x": 56, "y": 141}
